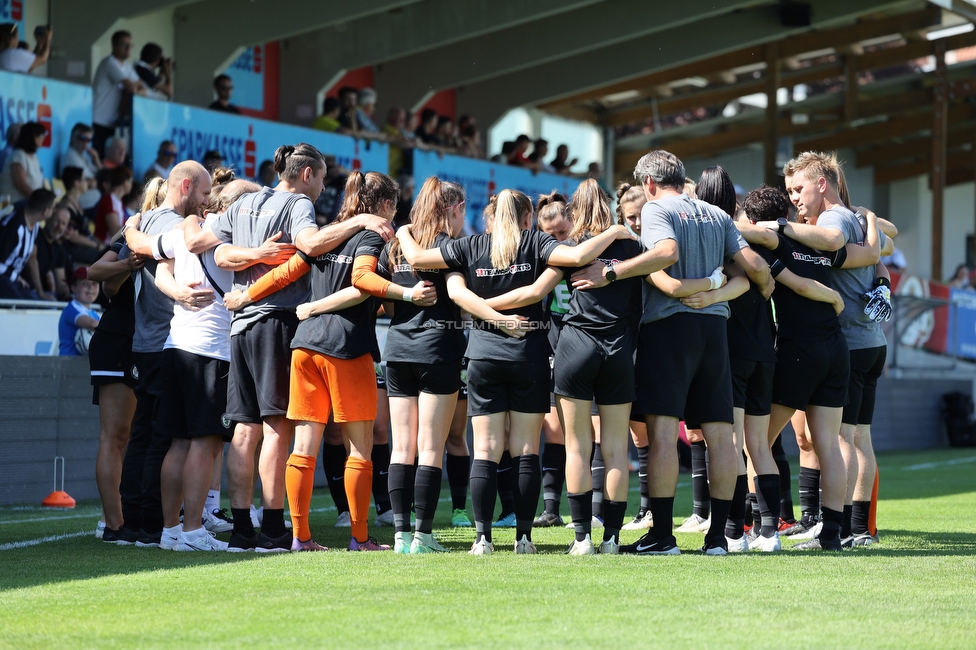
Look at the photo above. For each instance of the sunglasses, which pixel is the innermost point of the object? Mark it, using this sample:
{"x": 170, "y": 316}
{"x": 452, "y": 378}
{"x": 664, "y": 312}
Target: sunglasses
{"x": 84, "y": 138}
{"x": 171, "y": 152}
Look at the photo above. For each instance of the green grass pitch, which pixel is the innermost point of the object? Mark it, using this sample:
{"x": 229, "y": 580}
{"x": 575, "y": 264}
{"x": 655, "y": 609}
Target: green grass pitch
{"x": 916, "y": 589}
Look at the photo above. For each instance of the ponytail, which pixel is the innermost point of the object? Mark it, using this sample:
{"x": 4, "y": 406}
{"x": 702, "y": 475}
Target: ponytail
{"x": 289, "y": 161}
{"x": 365, "y": 193}
{"x": 154, "y": 194}
{"x": 590, "y": 210}
{"x": 430, "y": 214}
{"x": 505, "y": 234}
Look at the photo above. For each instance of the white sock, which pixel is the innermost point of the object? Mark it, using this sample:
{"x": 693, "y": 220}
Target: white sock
{"x": 213, "y": 501}
{"x": 195, "y": 534}
{"x": 173, "y": 531}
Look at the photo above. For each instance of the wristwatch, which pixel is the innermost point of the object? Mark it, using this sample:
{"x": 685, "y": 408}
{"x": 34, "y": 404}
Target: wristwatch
{"x": 610, "y": 275}
{"x": 781, "y": 222}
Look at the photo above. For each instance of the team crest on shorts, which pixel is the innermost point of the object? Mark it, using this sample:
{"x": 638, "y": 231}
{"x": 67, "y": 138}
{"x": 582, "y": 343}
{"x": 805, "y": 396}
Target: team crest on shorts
{"x": 135, "y": 372}
{"x": 224, "y": 420}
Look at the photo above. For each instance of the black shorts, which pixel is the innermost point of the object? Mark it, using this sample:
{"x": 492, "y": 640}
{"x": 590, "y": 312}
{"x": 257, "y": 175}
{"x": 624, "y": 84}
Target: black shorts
{"x": 149, "y": 391}
{"x": 682, "y": 369}
{"x": 405, "y": 379}
{"x": 194, "y": 397}
{"x": 867, "y": 364}
{"x": 588, "y": 367}
{"x": 752, "y": 385}
{"x": 500, "y": 386}
{"x": 110, "y": 357}
{"x": 257, "y": 387}
{"x": 812, "y": 374}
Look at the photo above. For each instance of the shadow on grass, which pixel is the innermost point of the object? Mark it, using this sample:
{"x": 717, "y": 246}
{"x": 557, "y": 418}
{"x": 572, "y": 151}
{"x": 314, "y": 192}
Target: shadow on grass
{"x": 914, "y": 543}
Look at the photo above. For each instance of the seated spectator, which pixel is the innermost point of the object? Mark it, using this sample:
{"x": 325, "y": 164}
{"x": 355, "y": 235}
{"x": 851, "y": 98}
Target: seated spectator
{"x": 427, "y": 129}
{"x": 348, "y": 111}
{"x": 52, "y": 258}
{"x": 13, "y": 131}
{"x": 116, "y": 150}
{"x": 960, "y": 279}
{"x": 446, "y": 132}
{"x": 22, "y": 173}
{"x": 15, "y": 59}
{"x": 114, "y": 85}
{"x": 561, "y": 163}
{"x": 507, "y": 148}
{"x": 329, "y": 119}
{"x": 212, "y": 160}
{"x": 165, "y": 159}
{"x": 81, "y": 154}
{"x": 267, "y": 176}
{"x": 517, "y": 157}
{"x": 78, "y": 319}
{"x": 110, "y": 211}
{"x": 405, "y": 204}
{"x": 330, "y": 200}
{"x": 18, "y": 233}
{"x": 79, "y": 242}
{"x": 470, "y": 138}
{"x": 155, "y": 71}
{"x": 224, "y": 87}
{"x": 400, "y": 139}
{"x": 537, "y": 159}
{"x": 365, "y": 111}
{"x": 132, "y": 202}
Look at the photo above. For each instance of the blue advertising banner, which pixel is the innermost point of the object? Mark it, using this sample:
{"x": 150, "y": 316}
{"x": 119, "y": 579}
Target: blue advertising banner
{"x": 243, "y": 142}
{"x": 481, "y": 179}
{"x": 55, "y": 104}
{"x": 247, "y": 71}
{"x": 963, "y": 306}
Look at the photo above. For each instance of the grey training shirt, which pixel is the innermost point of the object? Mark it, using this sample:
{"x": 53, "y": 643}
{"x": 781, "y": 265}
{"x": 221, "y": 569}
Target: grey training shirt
{"x": 153, "y": 308}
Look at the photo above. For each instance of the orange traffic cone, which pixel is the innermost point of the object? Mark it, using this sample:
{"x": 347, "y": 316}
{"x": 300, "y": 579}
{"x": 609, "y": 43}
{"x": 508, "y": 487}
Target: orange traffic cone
{"x": 58, "y": 498}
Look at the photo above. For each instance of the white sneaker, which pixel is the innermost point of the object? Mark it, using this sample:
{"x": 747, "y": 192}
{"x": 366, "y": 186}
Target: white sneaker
{"x": 425, "y": 543}
{"x": 384, "y": 520}
{"x": 767, "y": 544}
{"x": 482, "y": 547}
{"x": 640, "y": 522}
{"x": 740, "y": 545}
{"x": 525, "y": 547}
{"x": 577, "y": 547}
{"x": 694, "y": 524}
{"x": 401, "y": 543}
{"x": 344, "y": 521}
{"x": 194, "y": 541}
{"x": 610, "y": 547}
{"x": 215, "y": 523}
{"x": 808, "y": 535}
{"x": 99, "y": 529}
{"x": 168, "y": 538}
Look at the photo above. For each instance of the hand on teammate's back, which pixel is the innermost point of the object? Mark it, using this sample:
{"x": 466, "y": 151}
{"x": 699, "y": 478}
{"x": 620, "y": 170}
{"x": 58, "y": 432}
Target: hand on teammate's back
{"x": 377, "y": 224}
{"x": 590, "y": 277}
{"x": 273, "y": 252}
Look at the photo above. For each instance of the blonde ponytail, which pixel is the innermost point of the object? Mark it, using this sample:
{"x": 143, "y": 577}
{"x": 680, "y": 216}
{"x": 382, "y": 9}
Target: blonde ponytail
{"x": 505, "y": 232}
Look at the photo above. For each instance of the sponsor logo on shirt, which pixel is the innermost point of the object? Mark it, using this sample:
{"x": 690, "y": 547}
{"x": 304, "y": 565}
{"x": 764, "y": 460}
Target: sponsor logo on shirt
{"x": 257, "y": 214}
{"x": 336, "y": 258}
{"x": 406, "y": 268}
{"x": 608, "y": 262}
{"x": 813, "y": 259}
{"x": 698, "y": 216}
{"x": 512, "y": 270}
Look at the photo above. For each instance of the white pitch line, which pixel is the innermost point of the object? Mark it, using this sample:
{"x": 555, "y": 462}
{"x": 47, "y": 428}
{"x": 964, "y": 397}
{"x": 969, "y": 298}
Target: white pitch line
{"x": 954, "y": 461}
{"x": 43, "y": 540}
{"x": 66, "y": 517}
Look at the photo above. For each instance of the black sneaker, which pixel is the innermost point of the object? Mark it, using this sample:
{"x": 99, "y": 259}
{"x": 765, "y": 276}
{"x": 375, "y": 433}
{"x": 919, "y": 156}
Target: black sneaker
{"x": 799, "y": 527}
{"x": 847, "y": 542}
{"x": 547, "y": 520}
{"x": 267, "y": 544}
{"x": 111, "y": 536}
{"x": 817, "y": 544}
{"x": 649, "y": 545}
{"x": 239, "y": 543}
{"x": 126, "y": 536}
{"x": 149, "y": 540}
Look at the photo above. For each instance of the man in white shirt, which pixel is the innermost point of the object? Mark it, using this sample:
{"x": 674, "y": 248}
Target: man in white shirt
{"x": 113, "y": 79}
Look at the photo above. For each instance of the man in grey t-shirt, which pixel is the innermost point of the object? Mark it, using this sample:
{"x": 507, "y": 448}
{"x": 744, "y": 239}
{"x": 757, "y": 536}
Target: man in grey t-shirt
{"x": 682, "y": 368}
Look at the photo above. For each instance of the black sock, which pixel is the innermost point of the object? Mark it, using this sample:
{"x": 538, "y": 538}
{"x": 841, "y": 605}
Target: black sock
{"x": 645, "y": 497}
{"x": 735, "y": 523}
{"x": 832, "y": 520}
{"x": 581, "y": 511}
{"x": 716, "y": 530}
{"x": 599, "y": 471}
{"x": 273, "y": 522}
{"x": 401, "y": 495}
{"x": 859, "y": 517}
{"x": 699, "y": 480}
{"x": 785, "y": 481}
{"x": 381, "y": 470}
{"x": 809, "y": 494}
{"x": 845, "y": 527}
{"x": 484, "y": 489}
{"x": 242, "y": 521}
{"x": 457, "y": 477}
{"x": 506, "y": 483}
{"x": 613, "y": 518}
{"x": 767, "y": 493}
{"x": 428, "y": 490}
{"x": 662, "y": 513}
{"x": 553, "y": 475}
{"x": 752, "y": 510}
{"x": 529, "y": 485}
{"x": 334, "y": 466}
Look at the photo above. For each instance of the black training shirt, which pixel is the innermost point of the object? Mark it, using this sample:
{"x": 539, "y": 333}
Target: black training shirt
{"x": 611, "y": 309}
{"x": 119, "y": 316}
{"x": 750, "y": 326}
{"x": 800, "y": 318}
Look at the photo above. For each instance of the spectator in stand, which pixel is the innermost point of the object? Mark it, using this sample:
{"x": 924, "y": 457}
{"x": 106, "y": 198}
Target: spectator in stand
{"x": 405, "y": 204}
{"x": 81, "y": 154}
{"x": 22, "y": 172}
{"x": 561, "y": 163}
{"x": 165, "y": 159}
{"x": 155, "y": 71}
{"x": 507, "y": 148}
{"x": 400, "y": 139}
{"x": 212, "y": 160}
{"x": 52, "y": 258}
{"x": 18, "y": 232}
{"x": 960, "y": 279}
{"x": 470, "y": 141}
{"x": 447, "y": 132}
{"x": 15, "y": 59}
{"x": 78, "y": 320}
{"x": 367, "y": 107}
{"x": 110, "y": 211}
{"x": 427, "y": 129}
{"x": 112, "y": 89}
{"x": 81, "y": 245}
{"x": 224, "y": 87}
{"x": 13, "y": 131}
{"x": 116, "y": 150}
{"x": 267, "y": 176}
{"x": 132, "y": 202}
{"x": 329, "y": 119}
{"x": 517, "y": 156}
{"x": 348, "y": 112}
{"x": 537, "y": 159}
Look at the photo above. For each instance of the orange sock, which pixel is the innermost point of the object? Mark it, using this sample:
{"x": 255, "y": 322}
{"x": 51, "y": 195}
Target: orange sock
{"x": 299, "y": 481}
{"x": 359, "y": 484}
{"x": 873, "y": 510}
